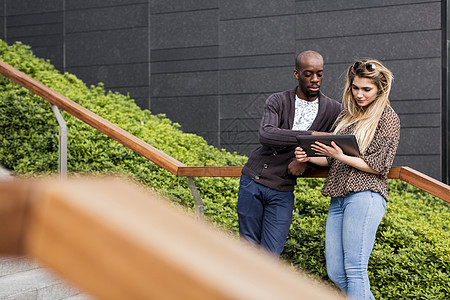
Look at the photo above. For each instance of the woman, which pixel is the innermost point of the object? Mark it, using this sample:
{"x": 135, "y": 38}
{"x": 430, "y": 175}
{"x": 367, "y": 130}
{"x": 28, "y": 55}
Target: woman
{"x": 358, "y": 185}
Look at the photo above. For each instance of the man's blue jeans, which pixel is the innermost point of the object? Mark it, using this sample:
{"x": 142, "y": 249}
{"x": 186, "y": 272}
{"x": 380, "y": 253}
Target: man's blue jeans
{"x": 265, "y": 215}
{"x": 352, "y": 224}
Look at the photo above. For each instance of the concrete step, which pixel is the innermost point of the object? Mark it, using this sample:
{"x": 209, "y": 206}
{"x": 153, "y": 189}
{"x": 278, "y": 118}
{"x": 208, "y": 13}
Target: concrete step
{"x": 79, "y": 297}
{"x": 15, "y": 264}
{"x": 34, "y": 284}
{"x": 22, "y": 279}
{"x": 4, "y": 173}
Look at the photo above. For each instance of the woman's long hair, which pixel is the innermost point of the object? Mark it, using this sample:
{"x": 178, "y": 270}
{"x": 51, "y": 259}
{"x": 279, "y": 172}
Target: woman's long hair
{"x": 366, "y": 118}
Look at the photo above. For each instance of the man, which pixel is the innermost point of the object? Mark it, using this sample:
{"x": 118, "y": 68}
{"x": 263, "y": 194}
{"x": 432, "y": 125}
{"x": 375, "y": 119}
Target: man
{"x": 266, "y": 198}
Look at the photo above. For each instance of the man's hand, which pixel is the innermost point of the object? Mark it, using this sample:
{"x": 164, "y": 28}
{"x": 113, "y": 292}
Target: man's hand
{"x": 296, "y": 168}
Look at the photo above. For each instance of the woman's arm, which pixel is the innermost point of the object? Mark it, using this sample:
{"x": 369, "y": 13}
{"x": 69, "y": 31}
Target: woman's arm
{"x": 358, "y": 163}
{"x": 336, "y": 152}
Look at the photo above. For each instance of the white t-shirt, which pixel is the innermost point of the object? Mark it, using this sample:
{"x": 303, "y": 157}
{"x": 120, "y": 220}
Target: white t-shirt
{"x": 305, "y": 113}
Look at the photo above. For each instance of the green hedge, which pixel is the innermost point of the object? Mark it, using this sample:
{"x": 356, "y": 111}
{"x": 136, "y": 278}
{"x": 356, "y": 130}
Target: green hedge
{"x": 410, "y": 259}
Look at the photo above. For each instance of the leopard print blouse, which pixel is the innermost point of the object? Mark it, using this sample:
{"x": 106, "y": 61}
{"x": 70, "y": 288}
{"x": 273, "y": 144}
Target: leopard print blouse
{"x": 343, "y": 179}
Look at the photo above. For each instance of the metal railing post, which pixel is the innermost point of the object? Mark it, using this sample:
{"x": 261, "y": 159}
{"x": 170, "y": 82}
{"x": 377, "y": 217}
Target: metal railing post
{"x": 62, "y": 142}
{"x": 199, "y": 208}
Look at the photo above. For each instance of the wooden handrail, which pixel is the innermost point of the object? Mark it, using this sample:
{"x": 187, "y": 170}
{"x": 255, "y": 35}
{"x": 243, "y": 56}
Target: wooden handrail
{"x": 209, "y": 171}
{"x": 172, "y": 165}
{"x": 425, "y": 183}
{"x": 115, "y": 240}
{"x": 406, "y": 174}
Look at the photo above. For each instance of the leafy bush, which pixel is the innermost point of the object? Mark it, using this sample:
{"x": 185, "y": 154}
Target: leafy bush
{"x": 412, "y": 247}
{"x": 410, "y": 259}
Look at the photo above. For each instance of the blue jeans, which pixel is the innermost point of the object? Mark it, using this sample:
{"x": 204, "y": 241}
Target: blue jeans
{"x": 265, "y": 215}
{"x": 352, "y": 224}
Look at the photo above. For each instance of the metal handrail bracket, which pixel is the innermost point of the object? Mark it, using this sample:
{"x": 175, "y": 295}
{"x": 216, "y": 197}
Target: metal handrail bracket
{"x": 62, "y": 142}
{"x": 199, "y": 208}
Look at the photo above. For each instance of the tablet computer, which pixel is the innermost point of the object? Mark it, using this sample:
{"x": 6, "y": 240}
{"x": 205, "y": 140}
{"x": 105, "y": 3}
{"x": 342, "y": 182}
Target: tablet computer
{"x": 347, "y": 142}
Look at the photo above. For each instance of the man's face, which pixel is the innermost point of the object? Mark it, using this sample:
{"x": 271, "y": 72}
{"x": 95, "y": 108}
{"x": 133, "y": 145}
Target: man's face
{"x": 309, "y": 75}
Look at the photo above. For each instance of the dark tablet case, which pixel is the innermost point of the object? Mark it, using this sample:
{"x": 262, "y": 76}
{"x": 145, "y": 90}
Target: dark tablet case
{"x": 347, "y": 142}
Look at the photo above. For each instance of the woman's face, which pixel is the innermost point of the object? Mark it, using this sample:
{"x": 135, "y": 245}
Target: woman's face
{"x": 364, "y": 91}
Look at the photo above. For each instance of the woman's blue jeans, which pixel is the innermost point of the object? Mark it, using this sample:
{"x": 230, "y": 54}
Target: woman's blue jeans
{"x": 352, "y": 224}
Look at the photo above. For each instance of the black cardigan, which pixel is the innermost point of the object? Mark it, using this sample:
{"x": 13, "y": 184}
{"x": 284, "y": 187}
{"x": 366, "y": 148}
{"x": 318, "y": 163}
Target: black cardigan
{"x": 268, "y": 164}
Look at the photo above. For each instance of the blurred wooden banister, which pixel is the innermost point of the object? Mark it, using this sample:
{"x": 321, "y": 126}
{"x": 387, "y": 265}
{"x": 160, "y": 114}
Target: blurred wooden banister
{"x": 114, "y": 240}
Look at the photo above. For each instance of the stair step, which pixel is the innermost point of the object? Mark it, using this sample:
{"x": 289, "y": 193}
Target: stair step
{"x": 22, "y": 278}
{"x": 14, "y": 264}
{"x": 34, "y": 284}
{"x": 5, "y": 174}
{"x": 79, "y": 297}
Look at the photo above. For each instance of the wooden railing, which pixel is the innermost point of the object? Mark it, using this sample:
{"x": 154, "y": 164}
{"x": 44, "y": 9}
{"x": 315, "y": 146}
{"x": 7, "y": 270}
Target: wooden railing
{"x": 174, "y": 166}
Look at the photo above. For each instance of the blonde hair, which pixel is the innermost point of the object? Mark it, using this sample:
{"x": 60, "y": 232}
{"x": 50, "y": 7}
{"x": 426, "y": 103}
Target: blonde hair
{"x": 366, "y": 118}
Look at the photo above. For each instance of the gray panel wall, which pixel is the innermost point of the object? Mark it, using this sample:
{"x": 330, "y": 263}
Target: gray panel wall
{"x": 37, "y": 23}
{"x": 3, "y": 20}
{"x": 257, "y": 58}
{"x": 210, "y": 65}
{"x": 184, "y": 64}
{"x": 108, "y": 41}
{"x": 99, "y": 41}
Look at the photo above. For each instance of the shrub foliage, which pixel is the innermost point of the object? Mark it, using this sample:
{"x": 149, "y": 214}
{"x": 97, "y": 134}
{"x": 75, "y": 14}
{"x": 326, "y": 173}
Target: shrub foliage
{"x": 410, "y": 259}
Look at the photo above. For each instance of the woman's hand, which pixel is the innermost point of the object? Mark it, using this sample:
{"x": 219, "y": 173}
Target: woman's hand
{"x": 336, "y": 152}
{"x": 300, "y": 155}
{"x": 333, "y": 151}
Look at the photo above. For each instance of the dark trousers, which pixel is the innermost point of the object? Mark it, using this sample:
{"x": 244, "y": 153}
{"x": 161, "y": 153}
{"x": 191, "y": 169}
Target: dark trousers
{"x": 265, "y": 215}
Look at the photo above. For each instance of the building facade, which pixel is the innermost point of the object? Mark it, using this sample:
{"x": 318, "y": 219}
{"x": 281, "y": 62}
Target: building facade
{"x": 210, "y": 65}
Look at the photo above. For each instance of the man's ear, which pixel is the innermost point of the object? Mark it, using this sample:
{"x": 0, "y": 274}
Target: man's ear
{"x": 296, "y": 74}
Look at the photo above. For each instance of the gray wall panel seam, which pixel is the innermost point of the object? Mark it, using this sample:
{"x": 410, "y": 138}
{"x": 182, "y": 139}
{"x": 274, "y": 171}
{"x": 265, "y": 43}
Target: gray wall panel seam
{"x": 64, "y": 37}
{"x": 110, "y": 6}
{"x": 149, "y": 56}
{"x": 258, "y": 17}
{"x": 106, "y": 65}
{"x": 106, "y": 30}
{"x": 367, "y": 34}
{"x": 183, "y": 11}
{"x": 366, "y": 7}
